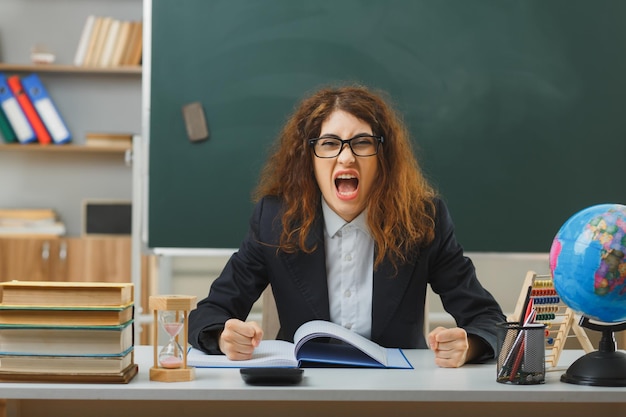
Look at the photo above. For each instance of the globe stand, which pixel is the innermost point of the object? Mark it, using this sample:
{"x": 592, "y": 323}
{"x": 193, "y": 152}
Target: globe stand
{"x": 605, "y": 367}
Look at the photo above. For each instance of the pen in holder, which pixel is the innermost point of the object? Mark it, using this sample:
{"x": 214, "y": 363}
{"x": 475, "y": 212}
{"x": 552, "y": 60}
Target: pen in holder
{"x": 521, "y": 353}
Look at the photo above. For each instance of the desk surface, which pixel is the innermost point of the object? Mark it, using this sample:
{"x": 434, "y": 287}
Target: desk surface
{"x": 425, "y": 383}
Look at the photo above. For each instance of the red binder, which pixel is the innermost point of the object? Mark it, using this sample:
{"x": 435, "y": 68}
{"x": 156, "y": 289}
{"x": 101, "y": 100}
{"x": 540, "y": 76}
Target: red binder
{"x": 31, "y": 114}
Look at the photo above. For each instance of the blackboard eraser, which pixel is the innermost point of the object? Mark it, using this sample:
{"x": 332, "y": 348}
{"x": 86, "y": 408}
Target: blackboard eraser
{"x": 195, "y": 122}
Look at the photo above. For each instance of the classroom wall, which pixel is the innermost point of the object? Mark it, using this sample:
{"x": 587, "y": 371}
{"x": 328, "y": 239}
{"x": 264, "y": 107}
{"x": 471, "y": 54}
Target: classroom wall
{"x": 500, "y": 273}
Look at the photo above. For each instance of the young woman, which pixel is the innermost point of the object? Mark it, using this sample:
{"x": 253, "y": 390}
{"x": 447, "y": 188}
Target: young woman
{"x": 347, "y": 229}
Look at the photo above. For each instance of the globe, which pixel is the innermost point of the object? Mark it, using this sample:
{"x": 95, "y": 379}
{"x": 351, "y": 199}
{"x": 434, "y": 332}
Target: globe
{"x": 588, "y": 265}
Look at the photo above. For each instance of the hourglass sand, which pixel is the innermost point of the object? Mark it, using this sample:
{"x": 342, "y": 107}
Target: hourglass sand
{"x": 171, "y": 355}
{"x": 171, "y": 314}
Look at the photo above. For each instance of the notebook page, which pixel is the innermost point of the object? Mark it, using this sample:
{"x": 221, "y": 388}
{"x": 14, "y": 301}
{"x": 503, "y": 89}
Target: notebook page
{"x": 269, "y": 353}
{"x": 321, "y": 328}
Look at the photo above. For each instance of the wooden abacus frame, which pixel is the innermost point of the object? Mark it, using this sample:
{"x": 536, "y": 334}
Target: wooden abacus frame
{"x": 560, "y": 320}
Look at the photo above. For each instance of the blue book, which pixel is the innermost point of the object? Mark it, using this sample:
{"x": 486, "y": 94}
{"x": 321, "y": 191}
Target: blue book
{"x": 14, "y": 113}
{"x": 46, "y": 108}
{"x": 316, "y": 344}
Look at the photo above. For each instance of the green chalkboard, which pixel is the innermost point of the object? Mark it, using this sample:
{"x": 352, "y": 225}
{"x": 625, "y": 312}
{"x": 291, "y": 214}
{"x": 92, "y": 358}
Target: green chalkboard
{"x": 517, "y": 107}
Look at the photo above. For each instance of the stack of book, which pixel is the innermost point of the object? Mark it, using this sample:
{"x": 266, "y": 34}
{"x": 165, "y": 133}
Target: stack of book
{"x": 109, "y": 42}
{"x": 27, "y": 112}
{"x": 66, "y": 332}
{"x": 30, "y": 222}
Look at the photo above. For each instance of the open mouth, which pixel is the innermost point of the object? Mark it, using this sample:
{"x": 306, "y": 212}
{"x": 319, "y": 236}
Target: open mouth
{"x": 346, "y": 184}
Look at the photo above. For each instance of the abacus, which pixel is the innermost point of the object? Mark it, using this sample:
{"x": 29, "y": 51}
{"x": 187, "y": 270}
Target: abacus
{"x": 551, "y": 311}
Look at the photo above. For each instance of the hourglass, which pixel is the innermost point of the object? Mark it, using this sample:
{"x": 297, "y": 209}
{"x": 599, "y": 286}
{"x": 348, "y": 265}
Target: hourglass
{"x": 171, "y": 355}
{"x": 170, "y": 316}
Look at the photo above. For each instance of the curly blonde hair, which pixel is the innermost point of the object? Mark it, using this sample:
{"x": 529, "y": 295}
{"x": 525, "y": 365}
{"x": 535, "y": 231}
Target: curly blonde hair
{"x": 401, "y": 211}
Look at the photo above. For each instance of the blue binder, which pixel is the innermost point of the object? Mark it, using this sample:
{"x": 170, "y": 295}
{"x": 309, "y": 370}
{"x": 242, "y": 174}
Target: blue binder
{"x": 46, "y": 108}
{"x": 14, "y": 113}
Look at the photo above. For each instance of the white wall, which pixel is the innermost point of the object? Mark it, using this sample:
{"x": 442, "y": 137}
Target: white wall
{"x": 500, "y": 273}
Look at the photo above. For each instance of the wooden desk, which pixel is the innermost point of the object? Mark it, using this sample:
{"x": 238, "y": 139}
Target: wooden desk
{"x": 424, "y": 391}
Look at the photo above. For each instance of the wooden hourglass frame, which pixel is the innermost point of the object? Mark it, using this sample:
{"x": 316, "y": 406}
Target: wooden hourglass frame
{"x": 180, "y": 305}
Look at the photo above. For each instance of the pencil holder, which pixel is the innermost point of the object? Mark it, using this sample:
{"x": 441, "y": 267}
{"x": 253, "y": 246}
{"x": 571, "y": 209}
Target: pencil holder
{"x": 521, "y": 353}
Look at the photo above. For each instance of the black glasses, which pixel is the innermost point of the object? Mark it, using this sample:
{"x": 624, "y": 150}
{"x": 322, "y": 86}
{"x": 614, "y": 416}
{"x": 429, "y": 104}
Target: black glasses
{"x": 331, "y": 146}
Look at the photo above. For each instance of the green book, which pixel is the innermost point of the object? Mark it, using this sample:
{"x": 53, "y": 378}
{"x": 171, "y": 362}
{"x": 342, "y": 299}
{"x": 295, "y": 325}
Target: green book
{"x": 93, "y": 341}
{"x": 6, "y": 131}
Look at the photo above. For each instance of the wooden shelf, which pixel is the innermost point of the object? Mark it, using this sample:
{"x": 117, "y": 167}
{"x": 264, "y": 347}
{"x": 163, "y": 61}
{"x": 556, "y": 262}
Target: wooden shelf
{"x": 17, "y": 147}
{"x": 65, "y": 69}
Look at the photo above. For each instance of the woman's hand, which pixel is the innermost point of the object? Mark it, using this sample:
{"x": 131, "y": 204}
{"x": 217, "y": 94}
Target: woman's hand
{"x": 239, "y": 339}
{"x": 451, "y": 346}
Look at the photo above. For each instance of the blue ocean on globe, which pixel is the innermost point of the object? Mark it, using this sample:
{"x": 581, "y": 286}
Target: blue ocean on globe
{"x": 588, "y": 263}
